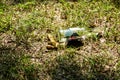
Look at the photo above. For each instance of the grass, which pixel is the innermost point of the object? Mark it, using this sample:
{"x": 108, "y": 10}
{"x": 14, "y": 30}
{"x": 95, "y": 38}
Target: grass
{"x": 24, "y": 27}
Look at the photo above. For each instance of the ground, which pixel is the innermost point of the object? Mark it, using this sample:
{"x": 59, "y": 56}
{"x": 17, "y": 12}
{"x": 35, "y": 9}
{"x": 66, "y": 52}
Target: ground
{"x": 24, "y": 27}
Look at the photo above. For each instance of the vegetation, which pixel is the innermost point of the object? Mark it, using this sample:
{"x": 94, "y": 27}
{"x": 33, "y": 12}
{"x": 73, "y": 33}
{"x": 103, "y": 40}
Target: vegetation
{"x": 24, "y": 25}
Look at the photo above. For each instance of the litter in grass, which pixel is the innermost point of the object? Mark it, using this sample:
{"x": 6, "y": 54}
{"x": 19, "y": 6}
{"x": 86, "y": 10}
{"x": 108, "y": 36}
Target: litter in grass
{"x": 53, "y": 44}
{"x": 72, "y": 37}
{"x": 71, "y": 31}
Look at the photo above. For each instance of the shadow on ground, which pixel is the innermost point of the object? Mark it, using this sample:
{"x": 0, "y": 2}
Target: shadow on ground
{"x": 14, "y": 2}
{"x": 15, "y": 66}
{"x": 116, "y": 3}
{"x": 70, "y": 69}
{"x": 67, "y": 69}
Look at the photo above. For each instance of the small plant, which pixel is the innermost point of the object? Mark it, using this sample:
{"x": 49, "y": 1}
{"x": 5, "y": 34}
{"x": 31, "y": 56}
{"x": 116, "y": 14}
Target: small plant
{"x": 5, "y": 24}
